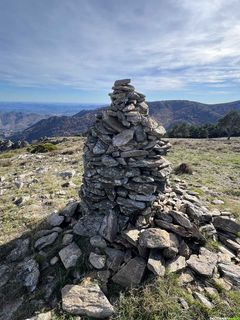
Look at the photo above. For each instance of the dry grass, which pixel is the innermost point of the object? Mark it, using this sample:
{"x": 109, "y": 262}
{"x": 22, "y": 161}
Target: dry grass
{"x": 216, "y": 169}
{"x": 41, "y": 184}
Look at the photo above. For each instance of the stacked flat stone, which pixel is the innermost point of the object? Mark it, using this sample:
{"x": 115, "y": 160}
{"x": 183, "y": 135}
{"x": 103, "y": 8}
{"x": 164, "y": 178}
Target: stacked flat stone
{"x": 136, "y": 223}
{"x": 124, "y": 167}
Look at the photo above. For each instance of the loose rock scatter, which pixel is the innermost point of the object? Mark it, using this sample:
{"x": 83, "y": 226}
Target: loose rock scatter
{"x": 128, "y": 204}
{"x": 132, "y": 224}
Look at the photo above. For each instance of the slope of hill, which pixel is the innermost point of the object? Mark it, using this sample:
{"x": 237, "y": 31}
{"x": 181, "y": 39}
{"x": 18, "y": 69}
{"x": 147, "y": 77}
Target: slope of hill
{"x": 166, "y": 112}
{"x": 58, "y": 126}
{"x": 170, "y": 112}
{"x": 11, "y": 122}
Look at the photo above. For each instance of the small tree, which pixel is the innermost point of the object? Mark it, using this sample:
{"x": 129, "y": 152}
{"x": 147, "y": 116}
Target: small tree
{"x": 230, "y": 123}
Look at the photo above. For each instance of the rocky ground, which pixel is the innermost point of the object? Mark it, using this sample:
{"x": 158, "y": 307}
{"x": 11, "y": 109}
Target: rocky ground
{"x": 32, "y": 186}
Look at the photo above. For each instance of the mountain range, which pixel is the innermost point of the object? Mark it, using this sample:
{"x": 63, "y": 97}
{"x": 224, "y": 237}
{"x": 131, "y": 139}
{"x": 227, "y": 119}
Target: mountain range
{"x": 167, "y": 113}
{"x": 12, "y": 122}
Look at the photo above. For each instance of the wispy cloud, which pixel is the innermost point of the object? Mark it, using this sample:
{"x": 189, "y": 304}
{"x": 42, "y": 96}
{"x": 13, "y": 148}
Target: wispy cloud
{"x": 87, "y": 44}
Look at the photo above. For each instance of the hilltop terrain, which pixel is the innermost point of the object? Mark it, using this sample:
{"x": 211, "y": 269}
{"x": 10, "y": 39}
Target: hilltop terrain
{"x": 35, "y": 185}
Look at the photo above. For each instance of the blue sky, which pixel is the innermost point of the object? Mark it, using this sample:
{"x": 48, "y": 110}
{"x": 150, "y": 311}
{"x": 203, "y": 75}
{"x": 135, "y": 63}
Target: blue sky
{"x": 73, "y": 50}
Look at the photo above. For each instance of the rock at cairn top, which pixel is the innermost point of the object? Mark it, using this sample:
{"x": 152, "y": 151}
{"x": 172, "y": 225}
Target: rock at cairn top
{"x": 124, "y": 168}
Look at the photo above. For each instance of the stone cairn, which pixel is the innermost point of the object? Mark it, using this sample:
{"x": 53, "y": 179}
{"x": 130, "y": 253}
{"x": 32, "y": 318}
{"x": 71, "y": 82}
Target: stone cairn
{"x": 135, "y": 221}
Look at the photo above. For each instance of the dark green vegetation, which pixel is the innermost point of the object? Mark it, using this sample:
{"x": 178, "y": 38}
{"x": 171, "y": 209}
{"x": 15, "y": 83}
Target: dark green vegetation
{"x": 229, "y": 125}
{"x": 42, "y": 148}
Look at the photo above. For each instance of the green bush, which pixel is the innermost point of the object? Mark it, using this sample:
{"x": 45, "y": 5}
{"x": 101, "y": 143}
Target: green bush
{"x": 42, "y": 148}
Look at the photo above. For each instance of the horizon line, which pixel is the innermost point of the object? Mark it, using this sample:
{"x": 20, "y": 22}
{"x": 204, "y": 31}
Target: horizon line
{"x": 105, "y": 103}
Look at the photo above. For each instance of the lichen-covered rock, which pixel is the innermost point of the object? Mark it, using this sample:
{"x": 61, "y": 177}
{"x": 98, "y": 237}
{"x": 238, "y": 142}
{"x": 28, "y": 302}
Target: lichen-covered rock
{"x": 86, "y": 300}
{"x": 42, "y": 316}
{"x": 20, "y": 251}
{"x": 157, "y": 238}
{"x": 29, "y": 273}
{"x": 176, "y": 264}
{"x": 46, "y": 240}
{"x": 204, "y": 263}
{"x": 70, "y": 254}
{"x": 97, "y": 260}
{"x": 156, "y": 263}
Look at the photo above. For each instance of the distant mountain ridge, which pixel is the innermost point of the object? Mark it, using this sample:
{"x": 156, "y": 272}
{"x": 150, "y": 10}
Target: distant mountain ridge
{"x": 167, "y": 113}
{"x": 11, "y": 122}
{"x": 54, "y": 109}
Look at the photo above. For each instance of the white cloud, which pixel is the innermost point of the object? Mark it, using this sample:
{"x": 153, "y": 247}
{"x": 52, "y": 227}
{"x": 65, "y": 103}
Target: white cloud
{"x": 88, "y": 44}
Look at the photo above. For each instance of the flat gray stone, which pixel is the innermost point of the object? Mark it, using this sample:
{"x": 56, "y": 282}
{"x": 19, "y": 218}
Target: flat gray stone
{"x": 128, "y": 203}
{"x": 142, "y": 188}
{"x": 99, "y": 148}
{"x": 217, "y": 201}
{"x": 203, "y": 300}
{"x": 86, "y": 300}
{"x": 46, "y": 240}
{"x": 88, "y": 225}
{"x": 134, "y": 153}
{"x": 4, "y": 275}
{"x": 131, "y": 274}
{"x": 204, "y": 263}
{"x": 226, "y": 224}
{"x": 109, "y": 226}
{"x": 42, "y": 316}
{"x": 98, "y": 242}
{"x": 20, "y": 250}
{"x": 97, "y": 260}
{"x": 123, "y": 137}
{"x": 70, "y": 254}
{"x": 29, "y": 273}
{"x": 115, "y": 258}
{"x": 159, "y": 132}
{"x": 70, "y": 209}
{"x": 186, "y": 277}
{"x": 157, "y": 238}
{"x": 177, "y": 264}
{"x": 55, "y": 219}
{"x": 109, "y": 161}
{"x": 121, "y": 82}
{"x": 231, "y": 272}
{"x": 67, "y": 239}
{"x": 156, "y": 263}
{"x": 131, "y": 236}
{"x": 181, "y": 219}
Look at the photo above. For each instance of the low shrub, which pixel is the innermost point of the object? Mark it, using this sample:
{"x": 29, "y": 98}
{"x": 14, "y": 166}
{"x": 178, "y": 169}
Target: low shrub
{"x": 183, "y": 168}
{"x": 42, "y": 148}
